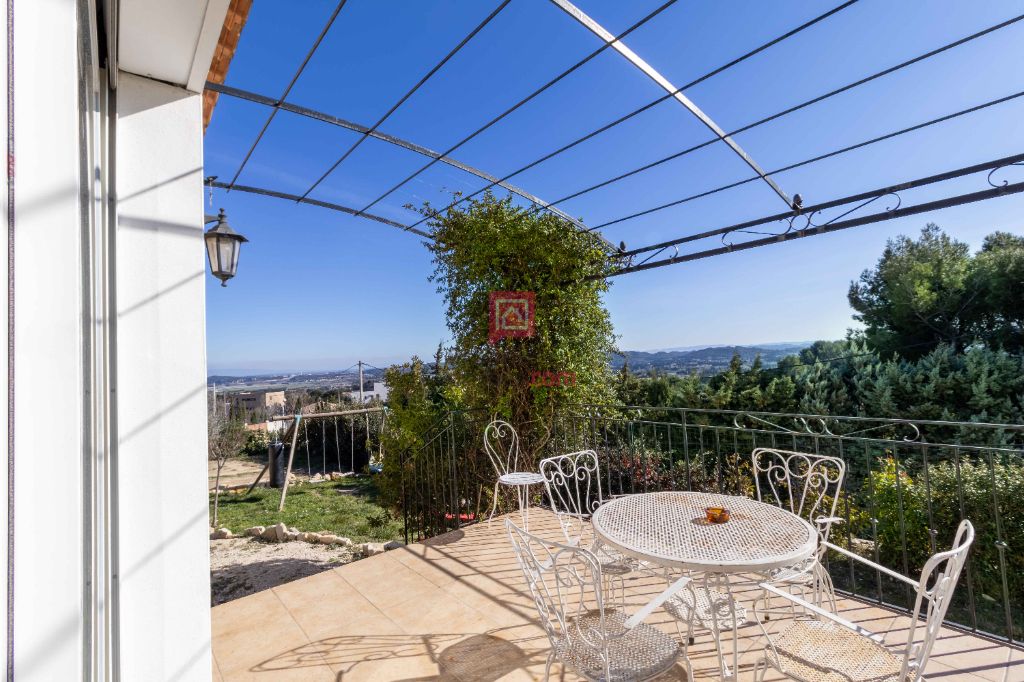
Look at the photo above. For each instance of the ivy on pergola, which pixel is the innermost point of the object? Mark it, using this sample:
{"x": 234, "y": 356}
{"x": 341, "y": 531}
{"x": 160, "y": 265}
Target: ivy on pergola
{"x": 797, "y": 221}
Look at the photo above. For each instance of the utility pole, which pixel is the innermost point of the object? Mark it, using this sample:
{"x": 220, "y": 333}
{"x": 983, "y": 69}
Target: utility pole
{"x": 361, "y": 400}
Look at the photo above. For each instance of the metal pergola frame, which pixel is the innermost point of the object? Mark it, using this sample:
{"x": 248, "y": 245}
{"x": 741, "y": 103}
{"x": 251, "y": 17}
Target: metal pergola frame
{"x": 624, "y": 259}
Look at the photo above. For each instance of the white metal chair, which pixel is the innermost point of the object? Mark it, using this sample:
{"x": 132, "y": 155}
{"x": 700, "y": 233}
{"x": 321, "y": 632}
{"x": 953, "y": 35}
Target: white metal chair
{"x": 573, "y": 485}
{"x": 501, "y": 442}
{"x": 807, "y": 485}
{"x": 597, "y": 642}
{"x": 822, "y": 647}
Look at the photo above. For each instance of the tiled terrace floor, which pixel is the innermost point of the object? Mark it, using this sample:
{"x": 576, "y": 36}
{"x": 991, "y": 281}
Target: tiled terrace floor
{"x": 456, "y": 608}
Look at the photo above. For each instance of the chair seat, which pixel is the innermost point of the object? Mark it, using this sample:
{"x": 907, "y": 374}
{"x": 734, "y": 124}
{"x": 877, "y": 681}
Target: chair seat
{"x": 639, "y": 654}
{"x": 701, "y": 604}
{"x": 612, "y": 561}
{"x": 822, "y": 651}
{"x": 617, "y": 567}
{"x": 802, "y": 573}
{"x": 520, "y": 478}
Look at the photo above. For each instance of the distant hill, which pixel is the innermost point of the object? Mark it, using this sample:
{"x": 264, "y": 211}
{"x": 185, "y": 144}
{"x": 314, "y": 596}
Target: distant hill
{"x": 707, "y": 360}
{"x": 324, "y": 381}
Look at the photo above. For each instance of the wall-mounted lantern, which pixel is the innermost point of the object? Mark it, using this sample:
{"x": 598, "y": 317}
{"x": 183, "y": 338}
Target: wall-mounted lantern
{"x": 222, "y": 247}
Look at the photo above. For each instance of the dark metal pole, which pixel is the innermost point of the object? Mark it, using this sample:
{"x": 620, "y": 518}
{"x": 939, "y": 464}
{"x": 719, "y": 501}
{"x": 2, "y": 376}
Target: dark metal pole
{"x": 833, "y": 227}
{"x": 808, "y": 210}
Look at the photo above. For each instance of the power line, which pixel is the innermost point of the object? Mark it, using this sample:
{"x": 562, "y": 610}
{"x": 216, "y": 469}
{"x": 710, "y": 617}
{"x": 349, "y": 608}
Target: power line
{"x": 408, "y": 94}
{"x": 291, "y": 83}
{"x": 821, "y": 157}
{"x": 646, "y": 107}
{"x": 526, "y": 99}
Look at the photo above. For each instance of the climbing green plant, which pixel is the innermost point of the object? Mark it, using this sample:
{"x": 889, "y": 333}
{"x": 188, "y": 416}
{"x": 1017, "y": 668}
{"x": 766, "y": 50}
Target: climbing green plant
{"x": 490, "y": 244}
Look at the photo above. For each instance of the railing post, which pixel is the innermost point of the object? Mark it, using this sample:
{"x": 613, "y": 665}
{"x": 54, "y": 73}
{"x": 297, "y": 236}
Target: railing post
{"x": 405, "y": 498}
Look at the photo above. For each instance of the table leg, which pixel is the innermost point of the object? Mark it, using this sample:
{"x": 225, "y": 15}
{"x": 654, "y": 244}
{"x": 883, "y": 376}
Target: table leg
{"x": 722, "y": 581}
{"x": 524, "y": 505}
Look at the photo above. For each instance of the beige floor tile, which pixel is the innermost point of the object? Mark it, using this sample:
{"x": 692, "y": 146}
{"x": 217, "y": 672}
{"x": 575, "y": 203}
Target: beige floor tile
{"x": 331, "y": 607}
{"x": 251, "y": 633}
{"x": 984, "y": 659}
{"x": 348, "y": 653}
{"x": 502, "y": 606}
{"x": 442, "y": 615}
{"x": 420, "y": 668}
{"x": 436, "y": 566}
{"x": 385, "y": 581}
{"x": 485, "y": 658}
{"x": 310, "y": 673}
{"x": 937, "y": 672}
{"x": 255, "y": 610}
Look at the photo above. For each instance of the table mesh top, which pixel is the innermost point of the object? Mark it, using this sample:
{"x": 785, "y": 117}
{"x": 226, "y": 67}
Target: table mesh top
{"x": 670, "y": 528}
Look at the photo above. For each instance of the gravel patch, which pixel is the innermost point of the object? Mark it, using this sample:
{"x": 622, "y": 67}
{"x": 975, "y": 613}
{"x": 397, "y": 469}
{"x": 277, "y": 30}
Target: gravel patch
{"x": 243, "y": 566}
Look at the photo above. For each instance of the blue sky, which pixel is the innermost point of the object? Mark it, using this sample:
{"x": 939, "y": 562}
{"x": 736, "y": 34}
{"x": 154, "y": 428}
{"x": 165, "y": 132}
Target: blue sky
{"x": 317, "y": 289}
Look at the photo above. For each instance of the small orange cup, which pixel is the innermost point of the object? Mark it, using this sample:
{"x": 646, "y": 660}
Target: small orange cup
{"x": 716, "y": 514}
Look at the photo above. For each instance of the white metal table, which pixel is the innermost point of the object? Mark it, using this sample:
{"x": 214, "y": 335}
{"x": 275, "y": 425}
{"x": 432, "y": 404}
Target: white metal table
{"x": 669, "y": 529}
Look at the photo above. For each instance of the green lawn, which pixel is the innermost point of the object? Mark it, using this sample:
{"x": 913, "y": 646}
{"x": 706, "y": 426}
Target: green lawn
{"x": 348, "y": 508}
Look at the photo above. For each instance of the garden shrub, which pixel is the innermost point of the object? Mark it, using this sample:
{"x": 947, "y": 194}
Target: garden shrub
{"x": 983, "y": 485}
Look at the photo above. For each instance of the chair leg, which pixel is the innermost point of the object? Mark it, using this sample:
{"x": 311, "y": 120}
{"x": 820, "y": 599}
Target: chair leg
{"x": 494, "y": 506}
{"x": 524, "y": 506}
{"x": 760, "y": 670}
{"x": 827, "y": 590}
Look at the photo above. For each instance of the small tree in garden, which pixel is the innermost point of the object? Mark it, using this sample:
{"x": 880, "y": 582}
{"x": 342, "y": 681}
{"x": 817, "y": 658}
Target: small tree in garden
{"x": 492, "y": 245}
{"x": 225, "y": 438}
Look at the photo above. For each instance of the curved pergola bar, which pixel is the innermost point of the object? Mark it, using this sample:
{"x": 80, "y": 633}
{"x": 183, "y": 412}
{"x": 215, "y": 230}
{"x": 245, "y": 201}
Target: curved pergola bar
{"x": 316, "y": 202}
{"x": 238, "y": 93}
{"x": 676, "y": 93}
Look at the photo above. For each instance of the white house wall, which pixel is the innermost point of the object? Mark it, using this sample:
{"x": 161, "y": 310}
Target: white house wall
{"x": 48, "y": 552}
{"x": 163, "y": 503}
{"x": 157, "y": 524}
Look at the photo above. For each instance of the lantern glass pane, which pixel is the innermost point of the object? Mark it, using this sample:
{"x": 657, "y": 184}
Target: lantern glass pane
{"x": 226, "y": 254}
{"x": 211, "y": 251}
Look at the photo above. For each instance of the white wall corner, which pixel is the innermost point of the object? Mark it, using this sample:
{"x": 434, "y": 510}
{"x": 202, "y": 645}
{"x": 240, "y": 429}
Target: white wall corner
{"x": 213, "y": 21}
{"x": 161, "y": 384}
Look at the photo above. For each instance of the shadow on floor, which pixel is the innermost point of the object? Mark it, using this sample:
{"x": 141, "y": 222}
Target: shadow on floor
{"x": 240, "y": 580}
{"x": 456, "y": 657}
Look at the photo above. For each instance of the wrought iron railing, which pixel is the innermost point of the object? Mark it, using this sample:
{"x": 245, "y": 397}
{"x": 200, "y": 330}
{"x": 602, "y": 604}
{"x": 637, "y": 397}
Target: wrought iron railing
{"x": 908, "y": 484}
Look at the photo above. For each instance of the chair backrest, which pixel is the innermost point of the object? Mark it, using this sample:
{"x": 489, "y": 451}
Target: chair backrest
{"x": 565, "y": 582}
{"x": 501, "y": 442}
{"x": 934, "y": 592}
{"x": 573, "y": 484}
{"x": 807, "y": 485}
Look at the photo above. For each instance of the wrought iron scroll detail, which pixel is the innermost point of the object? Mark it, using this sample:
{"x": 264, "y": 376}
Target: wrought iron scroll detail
{"x": 1004, "y": 183}
{"x": 830, "y": 427}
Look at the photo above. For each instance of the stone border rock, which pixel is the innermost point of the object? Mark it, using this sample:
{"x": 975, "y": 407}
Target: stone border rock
{"x": 292, "y": 480}
{"x": 281, "y": 533}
